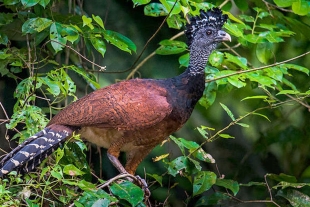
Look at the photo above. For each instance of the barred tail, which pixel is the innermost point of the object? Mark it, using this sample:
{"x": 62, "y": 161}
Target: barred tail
{"x": 34, "y": 150}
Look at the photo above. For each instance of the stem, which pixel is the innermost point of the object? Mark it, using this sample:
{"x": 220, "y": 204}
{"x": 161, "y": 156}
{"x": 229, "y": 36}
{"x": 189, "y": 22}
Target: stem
{"x": 259, "y": 68}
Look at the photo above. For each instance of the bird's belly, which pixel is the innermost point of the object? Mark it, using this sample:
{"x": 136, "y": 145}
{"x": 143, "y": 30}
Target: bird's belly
{"x": 102, "y": 137}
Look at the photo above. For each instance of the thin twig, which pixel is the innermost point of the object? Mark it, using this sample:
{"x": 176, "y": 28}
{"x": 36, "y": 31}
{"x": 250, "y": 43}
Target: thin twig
{"x": 149, "y": 40}
{"x": 148, "y": 57}
{"x": 269, "y": 189}
{"x": 259, "y": 68}
{"x": 101, "y": 68}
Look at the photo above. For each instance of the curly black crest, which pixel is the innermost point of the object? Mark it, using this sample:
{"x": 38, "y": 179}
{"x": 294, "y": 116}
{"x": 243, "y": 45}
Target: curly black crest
{"x": 211, "y": 18}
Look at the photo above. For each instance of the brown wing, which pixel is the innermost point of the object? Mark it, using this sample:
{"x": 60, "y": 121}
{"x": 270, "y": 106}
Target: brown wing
{"x": 129, "y": 104}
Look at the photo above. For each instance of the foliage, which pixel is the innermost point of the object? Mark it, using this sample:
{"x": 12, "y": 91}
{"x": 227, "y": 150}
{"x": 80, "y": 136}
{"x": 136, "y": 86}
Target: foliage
{"x": 50, "y": 45}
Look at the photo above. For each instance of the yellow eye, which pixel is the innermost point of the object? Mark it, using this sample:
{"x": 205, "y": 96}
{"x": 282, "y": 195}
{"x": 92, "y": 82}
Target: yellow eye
{"x": 209, "y": 32}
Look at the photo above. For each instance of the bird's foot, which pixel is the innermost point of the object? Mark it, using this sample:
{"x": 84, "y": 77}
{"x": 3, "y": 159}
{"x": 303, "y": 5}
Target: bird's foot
{"x": 142, "y": 183}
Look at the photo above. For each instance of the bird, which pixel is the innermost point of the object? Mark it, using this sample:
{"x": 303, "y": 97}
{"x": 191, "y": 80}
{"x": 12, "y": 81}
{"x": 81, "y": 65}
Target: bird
{"x": 133, "y": 115}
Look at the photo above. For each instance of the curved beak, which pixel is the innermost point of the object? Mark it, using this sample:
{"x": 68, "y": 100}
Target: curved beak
{"x": 223, "y": 36}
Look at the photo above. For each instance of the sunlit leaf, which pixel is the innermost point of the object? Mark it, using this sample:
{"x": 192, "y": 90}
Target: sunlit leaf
{"x": 156, "y": 159}
{"x": 240, "y": 61}
{"x": 226, "y": 136}
{"x": 284, "y": 3}
{"x": 173, "y": 5}
{"x": 255, "y": 97}
{"x": 98, "y": 20}
{"x": 301, "y": 7}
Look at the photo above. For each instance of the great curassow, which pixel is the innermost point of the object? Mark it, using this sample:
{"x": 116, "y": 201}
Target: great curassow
{"x": 132, "y": 116}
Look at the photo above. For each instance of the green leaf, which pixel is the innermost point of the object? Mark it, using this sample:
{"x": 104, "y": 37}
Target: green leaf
{"x": 282, "y": 177}
{"x": 230, "y": 114}
{"x": 275, "y": 73}
{"x": 140, "y": 2}
{"x": 128, "y": 191}
{"x": 226, "y": 136}
{"x": 262, "y": 115}
{"x": 301, "y": 7}
{"x": 179, "y": 143}
{"x": 296, "y": 67}
{"x": 264, "y": 51}
{"x": 169, "y": 4}
{"x": 98, "y": 44}
{"x": 236, "y": 81}
{"x": 169, "y": 47}
{"x": 203, "y": 156}
{"x": 209, "y": 95}
{"x": 29, "y": 3}
{"x": 234, "y": 30}
{"x": 175, "y": 21}
{"x": 71, "y": 170}
{"x": 119, "y": 41}
{"x": 247, "y": 18}
{"x": 101, "y": 202}
{"x": 214, "y": 199}
{"x": 229, "y": 184}
{"x": 243, "y": 124}
{"x": 155, "y": 10}
{"x": 253, "y": 184}
{"x": 181, "y": 163}
{"x": 241, "y": 4}
{"x": 197, "y": 151}
{"x": 240, "y": 61}
{"x": 58, "y": 41}
{"x": 87, "y": 21}
{"x": 88, "y": 77}
{"x": 203, "y": 181}
{"x": 10, "y": 2}
{"x": 69, "y": 33}
{"x": 216, "y": 58}
{"x": 34, "y": 25}
{"x": 284, "y": 3}
{"x": 291, "y": 92}
{"x": 44, "y": 3}
{"x": 255, "y": 97}
{"x": 184, "y": 60}
{"x": 261, "y": 79}
{"x": 98, "y": 20}
{"x": 53, "y": 87}
{"x": 158, "y": 178}
{"x": 296, "y": 198}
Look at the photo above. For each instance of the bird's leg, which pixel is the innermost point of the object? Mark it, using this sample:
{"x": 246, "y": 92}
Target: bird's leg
{"x": 134, "y": 157}
{"x": 114, "y": 160}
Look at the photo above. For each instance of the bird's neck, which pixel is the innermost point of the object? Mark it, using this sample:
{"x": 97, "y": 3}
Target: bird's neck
{"x": 194, "y": 77}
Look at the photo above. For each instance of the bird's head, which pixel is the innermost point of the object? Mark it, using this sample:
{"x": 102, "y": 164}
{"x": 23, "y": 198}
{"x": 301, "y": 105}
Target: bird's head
{"x": 205, "y": 30}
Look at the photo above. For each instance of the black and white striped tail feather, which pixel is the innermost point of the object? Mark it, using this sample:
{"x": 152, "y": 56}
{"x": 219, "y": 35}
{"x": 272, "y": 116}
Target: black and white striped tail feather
{"x": 34, "y": 150}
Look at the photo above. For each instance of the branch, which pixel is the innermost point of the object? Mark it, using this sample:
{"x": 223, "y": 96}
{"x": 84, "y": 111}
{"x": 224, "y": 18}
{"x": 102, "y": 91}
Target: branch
{"x": 259, "y": 68}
